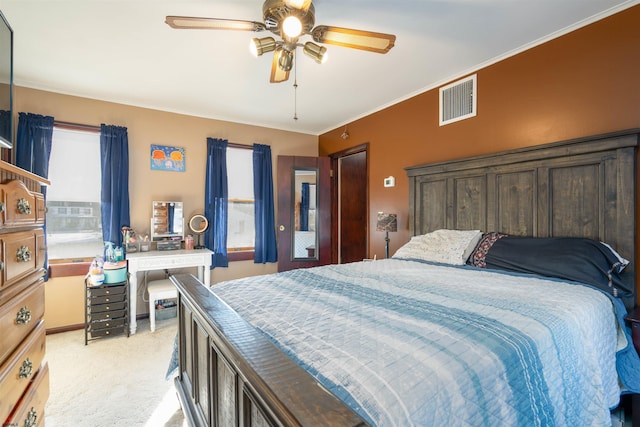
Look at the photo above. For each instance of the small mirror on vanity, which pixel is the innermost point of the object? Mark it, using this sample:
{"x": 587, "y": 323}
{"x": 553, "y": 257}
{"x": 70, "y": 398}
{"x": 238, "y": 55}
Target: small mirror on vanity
{"x": 167, "y": 224}
{"x": 198, "y": 224}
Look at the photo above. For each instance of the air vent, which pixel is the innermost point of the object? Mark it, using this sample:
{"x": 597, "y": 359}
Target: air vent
{"x": 458, "y": 100}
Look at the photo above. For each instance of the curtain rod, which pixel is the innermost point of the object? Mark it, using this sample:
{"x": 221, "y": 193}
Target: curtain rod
{"x": 92, "y": 128}
{"x": 76, "y": 126}
{"x": 236, "y": 145}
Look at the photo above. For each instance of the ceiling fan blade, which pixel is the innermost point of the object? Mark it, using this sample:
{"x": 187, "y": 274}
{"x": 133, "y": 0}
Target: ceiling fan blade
{"x": 188, "y": 22}
{"x": 303, "y": 5}
{"x": 278, "y": 75}
{"x": 355, "y": 39}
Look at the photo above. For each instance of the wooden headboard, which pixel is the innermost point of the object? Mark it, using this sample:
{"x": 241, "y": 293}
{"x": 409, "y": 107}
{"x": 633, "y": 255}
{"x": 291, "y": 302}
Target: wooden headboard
{"x": 578, "y": 188}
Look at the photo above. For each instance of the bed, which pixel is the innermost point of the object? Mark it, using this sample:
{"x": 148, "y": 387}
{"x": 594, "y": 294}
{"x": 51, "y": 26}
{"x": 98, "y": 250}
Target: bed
{"x": 420, "y": 340}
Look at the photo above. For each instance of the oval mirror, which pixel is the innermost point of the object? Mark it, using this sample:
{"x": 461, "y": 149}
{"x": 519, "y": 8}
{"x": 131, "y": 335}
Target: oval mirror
{"x": 198, "y": 224}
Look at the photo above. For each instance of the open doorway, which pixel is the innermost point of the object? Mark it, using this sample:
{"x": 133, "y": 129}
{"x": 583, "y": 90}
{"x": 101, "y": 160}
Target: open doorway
{"x": 350, "y": 204}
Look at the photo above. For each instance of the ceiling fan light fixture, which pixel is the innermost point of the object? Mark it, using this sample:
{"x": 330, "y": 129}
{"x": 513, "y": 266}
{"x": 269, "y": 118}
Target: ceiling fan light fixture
{"x": 318, "y": 53}
{"x": 263, "y": 45}
{"x": 285, "y": 60}
{"x": 288, "y": 20}
{"x": 291, "y": 26}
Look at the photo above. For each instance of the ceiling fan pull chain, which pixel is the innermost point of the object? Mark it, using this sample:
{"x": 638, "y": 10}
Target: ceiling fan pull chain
{"x": 295, "y": 101}
{"x": 295, "y": 88}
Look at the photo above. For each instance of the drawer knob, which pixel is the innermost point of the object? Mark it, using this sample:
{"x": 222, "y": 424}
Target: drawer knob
{"x": 24, "y": 207}
{"x": 24, "y": 316}
{"x": 26, "y": 369}
{"x": 32, "y": 418}
{"x": 23, "y": 254}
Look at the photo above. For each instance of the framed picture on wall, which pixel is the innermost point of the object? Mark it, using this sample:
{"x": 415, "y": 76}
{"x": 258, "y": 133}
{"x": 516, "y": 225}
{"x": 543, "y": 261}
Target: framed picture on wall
{"x": 167, "y": 158}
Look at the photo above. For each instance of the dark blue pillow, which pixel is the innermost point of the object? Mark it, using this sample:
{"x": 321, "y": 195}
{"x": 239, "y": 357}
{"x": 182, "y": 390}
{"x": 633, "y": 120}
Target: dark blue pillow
{"x": 569, "y": 258}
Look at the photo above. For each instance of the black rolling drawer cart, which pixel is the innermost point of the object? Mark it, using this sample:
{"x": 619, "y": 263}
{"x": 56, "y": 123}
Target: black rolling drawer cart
{"x": 106, "y": 310}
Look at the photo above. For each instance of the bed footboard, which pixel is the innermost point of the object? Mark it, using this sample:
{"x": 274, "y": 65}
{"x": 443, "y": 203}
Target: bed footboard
{"x": 232, "y": 375}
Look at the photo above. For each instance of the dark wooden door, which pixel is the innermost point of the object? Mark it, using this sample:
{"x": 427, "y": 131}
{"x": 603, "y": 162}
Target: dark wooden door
{"x": 352, "y": 206}
{"x": 298, "y": 248}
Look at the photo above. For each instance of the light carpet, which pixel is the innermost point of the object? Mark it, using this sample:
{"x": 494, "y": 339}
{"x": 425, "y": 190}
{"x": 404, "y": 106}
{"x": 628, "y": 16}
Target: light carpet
{"x": 116, "y": 381}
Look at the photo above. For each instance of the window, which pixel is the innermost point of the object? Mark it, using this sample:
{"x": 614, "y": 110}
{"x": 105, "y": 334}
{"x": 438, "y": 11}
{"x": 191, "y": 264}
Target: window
{"x": 74, "y": 223}
{"x": 241, "y": 216}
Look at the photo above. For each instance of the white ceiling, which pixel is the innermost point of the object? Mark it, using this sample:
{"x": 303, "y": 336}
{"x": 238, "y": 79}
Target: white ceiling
{"x": 122, "y": 51}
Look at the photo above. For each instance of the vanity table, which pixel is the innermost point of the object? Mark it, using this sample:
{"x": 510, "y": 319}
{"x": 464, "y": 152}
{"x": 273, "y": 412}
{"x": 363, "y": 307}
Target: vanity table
{"x": 161, "y": 260}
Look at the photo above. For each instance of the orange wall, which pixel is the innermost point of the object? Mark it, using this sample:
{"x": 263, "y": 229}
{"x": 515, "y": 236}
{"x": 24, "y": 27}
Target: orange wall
{"x": 583, "y": 83}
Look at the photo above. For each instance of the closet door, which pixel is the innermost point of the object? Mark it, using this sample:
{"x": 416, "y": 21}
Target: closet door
{"x": 352, "y": 207}
{"x": 304, "y": 206}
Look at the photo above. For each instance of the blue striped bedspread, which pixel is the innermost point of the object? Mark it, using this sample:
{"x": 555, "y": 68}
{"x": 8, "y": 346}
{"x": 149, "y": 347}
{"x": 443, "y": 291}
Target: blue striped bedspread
{"x": 408, "y": 343}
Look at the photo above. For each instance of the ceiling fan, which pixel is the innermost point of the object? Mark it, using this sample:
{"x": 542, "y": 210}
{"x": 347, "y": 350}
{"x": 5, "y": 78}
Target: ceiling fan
{"x": 290, "y": 20}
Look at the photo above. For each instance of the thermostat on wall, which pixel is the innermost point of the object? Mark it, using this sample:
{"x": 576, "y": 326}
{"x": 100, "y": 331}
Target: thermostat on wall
{"x": 390, "y": 182}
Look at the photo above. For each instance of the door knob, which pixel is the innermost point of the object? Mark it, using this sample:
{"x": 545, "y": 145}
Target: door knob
{"x": 281, "y": 227}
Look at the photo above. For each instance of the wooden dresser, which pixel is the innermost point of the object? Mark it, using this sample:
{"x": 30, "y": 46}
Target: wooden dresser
{"x": 24, "y": 374}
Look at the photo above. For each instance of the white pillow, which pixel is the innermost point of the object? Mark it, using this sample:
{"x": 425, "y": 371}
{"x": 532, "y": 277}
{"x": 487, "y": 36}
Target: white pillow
{"x": 444, "y": 246}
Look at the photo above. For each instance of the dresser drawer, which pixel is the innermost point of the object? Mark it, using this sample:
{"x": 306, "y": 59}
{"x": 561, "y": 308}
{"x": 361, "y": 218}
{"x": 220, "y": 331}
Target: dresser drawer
{"x": 22, "y": 253}
{"x": 30, "y": 411}
{"x": 106, "y": 291}
{"x": 20, "y": 368}
{"x": 100, "y": 308}
{"x": 108, "y": 331}
{"x": 100, "y": 325}
{"x": 21, "y": 206}
{"x": 18, "y": 317}
{"x": 107, "y": 299}
{"x": 114, "y": 314}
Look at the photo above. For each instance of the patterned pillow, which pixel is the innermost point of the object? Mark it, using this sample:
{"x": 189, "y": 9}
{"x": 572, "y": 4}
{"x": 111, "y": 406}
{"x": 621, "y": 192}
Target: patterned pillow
{"x": 478, "y": 256}
{"x": 443, "y": 246}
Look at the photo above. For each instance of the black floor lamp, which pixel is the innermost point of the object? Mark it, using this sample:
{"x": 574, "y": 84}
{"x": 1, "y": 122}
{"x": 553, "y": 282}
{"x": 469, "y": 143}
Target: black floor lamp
{"x": 387, "y": 222}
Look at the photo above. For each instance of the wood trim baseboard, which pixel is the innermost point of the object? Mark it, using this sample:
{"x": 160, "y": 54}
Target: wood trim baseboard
{"x": 67, "y": 328}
